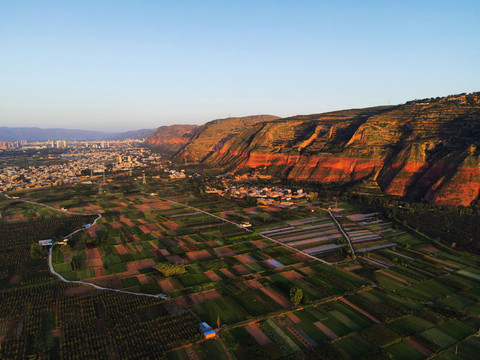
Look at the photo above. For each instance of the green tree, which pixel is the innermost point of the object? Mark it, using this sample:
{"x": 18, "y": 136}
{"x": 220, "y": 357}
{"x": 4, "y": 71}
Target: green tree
{"x": 296, "y": 295}
{"x": 36, "y": 252}
{"x": 168, "y": 269}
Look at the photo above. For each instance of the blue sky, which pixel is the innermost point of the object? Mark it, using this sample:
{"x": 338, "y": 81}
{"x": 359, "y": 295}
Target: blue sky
{"x": 123, "y": 65}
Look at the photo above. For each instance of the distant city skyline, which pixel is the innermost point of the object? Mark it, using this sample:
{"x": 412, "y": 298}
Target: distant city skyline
{"x": 122, "y": 65}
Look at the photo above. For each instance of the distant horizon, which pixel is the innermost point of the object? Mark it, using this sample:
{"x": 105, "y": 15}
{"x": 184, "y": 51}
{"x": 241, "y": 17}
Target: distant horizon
{"x": 109, "y": 64}
{"x": 154, "y": 127}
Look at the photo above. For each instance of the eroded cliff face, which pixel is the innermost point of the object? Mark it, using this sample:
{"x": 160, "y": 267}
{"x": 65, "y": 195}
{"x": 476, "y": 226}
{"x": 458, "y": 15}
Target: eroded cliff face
{"x": 212, "y": 135}
{"x": 420, "y": 150}
{"x": 170, "y": 139}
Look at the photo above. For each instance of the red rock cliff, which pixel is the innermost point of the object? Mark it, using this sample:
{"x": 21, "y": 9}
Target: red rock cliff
{"x": 421, "y": 150}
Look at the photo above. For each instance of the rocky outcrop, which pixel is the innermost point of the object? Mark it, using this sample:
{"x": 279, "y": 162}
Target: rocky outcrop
{"x": 420, "y": 150}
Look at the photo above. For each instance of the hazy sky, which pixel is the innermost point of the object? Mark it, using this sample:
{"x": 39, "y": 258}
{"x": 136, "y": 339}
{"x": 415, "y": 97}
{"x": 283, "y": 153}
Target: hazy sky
{"x": 123, "y": 65}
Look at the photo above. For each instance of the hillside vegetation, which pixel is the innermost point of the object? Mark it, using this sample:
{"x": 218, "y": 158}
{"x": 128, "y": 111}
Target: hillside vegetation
{"x": 424, "y": 149}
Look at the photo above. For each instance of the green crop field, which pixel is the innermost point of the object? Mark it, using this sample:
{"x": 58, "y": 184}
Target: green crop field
{"x": 217, "y": 272}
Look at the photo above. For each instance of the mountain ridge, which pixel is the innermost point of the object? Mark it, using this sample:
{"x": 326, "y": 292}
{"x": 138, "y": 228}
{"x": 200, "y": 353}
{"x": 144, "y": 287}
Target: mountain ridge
{"x": 422, "y": 150}
{"x": 46, "y": 134}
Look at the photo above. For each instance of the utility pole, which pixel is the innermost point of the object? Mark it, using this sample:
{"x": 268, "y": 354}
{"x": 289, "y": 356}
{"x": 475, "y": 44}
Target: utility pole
{"x": 144, "y": 179}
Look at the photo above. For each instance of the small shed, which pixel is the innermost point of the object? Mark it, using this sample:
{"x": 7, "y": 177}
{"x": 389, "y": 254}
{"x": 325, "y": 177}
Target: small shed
{"x": 207, "y": 330}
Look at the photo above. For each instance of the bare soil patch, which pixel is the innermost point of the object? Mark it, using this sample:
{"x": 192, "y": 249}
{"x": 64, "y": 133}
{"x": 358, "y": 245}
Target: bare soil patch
{"x": 360, "y": 310}
{"x": 354, "y": 267}
{"x": 198, "y": 255}
{"x": 282, "y": 300}
{"x": 176, "y": 260}
{"x": 227, "y": 273}
{"x": 403, "y": 281}
{"x": 300, "y": 257}
{"x": 133, "y": 238}
{"x": 240, "y": 270}
{"x": 291, "y": 275}
{"x": 121, "y": 249}
{"x": 98, "y": 271}
{"x": 225, "y": 252}
{"x": 211, "y": 295}
{"x": 326, "y": 330}
{"x": 116, "y": 225}
{"x": 171, "y": 225}
{"x": 245, "y": 259}
{"x": 83, "y": 289}
{"x": 420, "y": 348}
{"x": 148, "y": 228}
{"x": 259, "y": 244}
{"x": 447, "y": 263}
{"x": 93, "y": 253}
{"x": 94, "y": 263}
{"x": 294, "y": 318}
{"x": 126, "y": 221}
{"x": 205, "y": 296}
{"x": 213, "y": 276}
{"x": 140, "y": 264}
{"x": 143, "y": 279}
{"x": 167, "y": 285}
{"x": 257, "y": 334}
{"x": 430, "y": 249}
{"x": 308, "y": 271}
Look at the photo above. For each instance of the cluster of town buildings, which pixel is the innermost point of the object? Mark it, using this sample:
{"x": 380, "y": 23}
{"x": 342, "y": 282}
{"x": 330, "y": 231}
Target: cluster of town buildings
{"x": 76, "y": 165}
{"x": 173, "y": 174}
{"x": 59, "y": 144}
{"x": 264, "y": 195}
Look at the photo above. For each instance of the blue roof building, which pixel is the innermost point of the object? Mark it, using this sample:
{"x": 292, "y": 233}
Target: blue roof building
{"x": 207, "y": 330}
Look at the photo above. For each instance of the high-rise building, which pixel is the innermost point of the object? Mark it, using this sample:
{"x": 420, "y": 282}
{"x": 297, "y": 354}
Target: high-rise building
{"x": 60, "y": 144}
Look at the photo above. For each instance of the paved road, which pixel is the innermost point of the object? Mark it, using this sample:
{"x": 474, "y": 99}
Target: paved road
{"x": 52, "y": 270}
{"x": 340, "y": 227}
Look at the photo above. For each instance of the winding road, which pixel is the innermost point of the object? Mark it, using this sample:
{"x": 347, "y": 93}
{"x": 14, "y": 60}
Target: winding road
{"x": 79, "y": 282}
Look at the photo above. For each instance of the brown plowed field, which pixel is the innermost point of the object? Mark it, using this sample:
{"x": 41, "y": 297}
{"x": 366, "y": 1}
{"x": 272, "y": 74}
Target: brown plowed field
{"x": 257, "y": 334}
{"x": 213, "y": 276}
{"x": 140, "y": 264}
{"x": 93, "y": 253}
{"x": 167, "y": 285}
{"x": 121, "y": 249}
